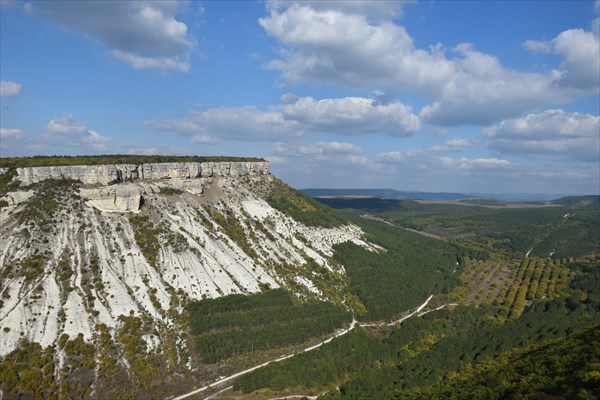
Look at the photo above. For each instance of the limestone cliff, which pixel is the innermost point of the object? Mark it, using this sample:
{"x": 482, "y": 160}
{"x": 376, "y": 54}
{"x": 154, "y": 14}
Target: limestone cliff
{"x": 70, "y": 264}
{"x": 116, "y": 173}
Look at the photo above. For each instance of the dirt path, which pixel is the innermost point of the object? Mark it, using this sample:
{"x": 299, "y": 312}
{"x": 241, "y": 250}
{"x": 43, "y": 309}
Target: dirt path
{"x": 374, "y": 218}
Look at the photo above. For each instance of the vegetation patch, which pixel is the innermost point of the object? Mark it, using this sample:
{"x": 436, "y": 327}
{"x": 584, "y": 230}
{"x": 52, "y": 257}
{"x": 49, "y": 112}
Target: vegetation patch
{"x": 234, "y": 230}
{"x": 6, "y": 181}
{"x": 169, "y": 191}
{"x": 31, "y": 267}
{"x": 571, "y": 228}
{"x": 563, "y": 368}
{"x": 237, "y": 324}
{"x": 46, "y": 161}
{"x": 391, "y": 282}
{"x": 151, "y": 237}
{"x": 301, "y": 207}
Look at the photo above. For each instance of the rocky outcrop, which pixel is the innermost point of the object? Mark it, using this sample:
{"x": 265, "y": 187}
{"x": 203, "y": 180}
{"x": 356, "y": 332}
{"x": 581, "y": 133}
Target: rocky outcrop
{"x": 17, "y": 197}
{"x": 117, "y": 198}
{"x": 116, "y": 173}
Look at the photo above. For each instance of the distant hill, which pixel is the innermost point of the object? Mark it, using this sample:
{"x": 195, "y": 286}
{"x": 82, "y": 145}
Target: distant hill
{"x": 384, "y": 193}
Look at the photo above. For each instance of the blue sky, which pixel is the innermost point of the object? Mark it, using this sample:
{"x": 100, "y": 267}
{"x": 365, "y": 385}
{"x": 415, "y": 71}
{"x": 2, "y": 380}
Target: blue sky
{"x": 479, "y": 97}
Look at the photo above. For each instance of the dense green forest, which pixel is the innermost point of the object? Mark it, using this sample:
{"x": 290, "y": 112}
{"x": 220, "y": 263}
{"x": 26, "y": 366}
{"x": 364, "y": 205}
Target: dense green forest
{"x": 390, "y": 282}
{"x": 237, "y": 324}
{"x": 504, "y": 313}
{"x": 567, "y": 227}
{"x": 564, "y": 368}
{"x": 45, "y": 161}
{"x": 424, "y": 350}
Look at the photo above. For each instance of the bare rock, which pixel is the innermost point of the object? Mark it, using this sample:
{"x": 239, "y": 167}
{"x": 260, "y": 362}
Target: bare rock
{"x": 115, "y": 198}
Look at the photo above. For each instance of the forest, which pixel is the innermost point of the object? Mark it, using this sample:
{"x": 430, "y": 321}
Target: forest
{"x": 567, "y": 227}
{"x": 441, "y": 344}
{"x": 517, "y": 327}
{"x": 237, "y": 324}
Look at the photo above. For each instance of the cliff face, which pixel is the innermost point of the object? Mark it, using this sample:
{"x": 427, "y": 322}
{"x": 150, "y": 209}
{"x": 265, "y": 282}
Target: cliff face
{"x": 75, "y": 257}
{"x": 115, "y": 173}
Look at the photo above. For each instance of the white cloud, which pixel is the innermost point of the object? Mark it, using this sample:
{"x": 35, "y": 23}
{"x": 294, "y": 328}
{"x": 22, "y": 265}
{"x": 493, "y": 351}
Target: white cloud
{"x": 296, "y": 117}
{"x": 66, "y": 125}
{"x": 163, "y": 149}
{"x": 555, "y": 133}
{"x": 466, "y": 164}
{"x": 148, "y": 151}
{"x": 324, "y": 155}
{"x": 329, "y": 45}
{"x": 580, "y": 51}
{"x": 185, "y": 126}
{"x": 374, "y": 8}
{"x": 425, "y": 160}
{"x": 316, "y": 149}
{"x": 481, "y": 91}
{"x": 276, "y": 160}
{"x": 9, "y": 89}
{"x": 204, "y": 139}
{"x": 67, "y": 128}
{"x": 454, "y": 145}
{"x": 325, "y": 43}
{"x": 145, "y": 34}
{"x": 404, "y": 156}
{"x": 139, "y": 62}
{"x": 11, "y": 133}
{"x": 352, "y": 115}
{"x": 95, "y": 140}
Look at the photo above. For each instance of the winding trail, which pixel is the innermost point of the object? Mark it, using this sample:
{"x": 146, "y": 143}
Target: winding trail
{"x": 353, "y": 324}
{"x": 374, "y": 218}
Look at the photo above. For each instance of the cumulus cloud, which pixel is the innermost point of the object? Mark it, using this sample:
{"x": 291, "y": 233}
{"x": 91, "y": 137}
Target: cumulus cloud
{"x": 466, "y": 164}
{"x": 145, "y": 34}
{"x": 276, "y": 160}
{"x": 241, "y": 123}
{"x": 454, "y": 145}
{"x": 11, "y": 133}
{"x": 372, "y": 8}
{"x": 147, "y": 151}
{"x": 329, "y": 43}
{"x": 66, "y": 125}
{"x": 352, "y": 115}
{"x": 317, "y": 149}
{"x": 204, "y": 139}
{"x": 326, "y": 154}
{"x": 556, "y": 133}
{"x": 580, "y": 51}
{"x": 141, "y": 62}
{"x": 67, "y": 128}
{"x": 9, "y": 89}
{"x": 404, "y": 156}
{"x": 296, "y": 117}
{"x": 426, "y": 160}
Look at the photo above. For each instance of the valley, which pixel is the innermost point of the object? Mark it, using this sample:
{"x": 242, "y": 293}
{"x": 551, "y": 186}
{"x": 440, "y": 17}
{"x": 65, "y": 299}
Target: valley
{"x": 214, "y": 279}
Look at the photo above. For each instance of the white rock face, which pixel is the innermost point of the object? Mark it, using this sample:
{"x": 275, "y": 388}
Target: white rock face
{"x": 196, "y": 257}
{"x": 185, "y": 170}
{"x": 13, "y": 198}
{"x": 115, "y": 173}
{"x": 193, "y": 186}
{"x": 116, "y": 198}
{"x": 88, "y": 174}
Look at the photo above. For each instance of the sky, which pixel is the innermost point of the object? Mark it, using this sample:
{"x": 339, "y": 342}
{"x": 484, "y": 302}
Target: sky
{"x": 439, "y": 96}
